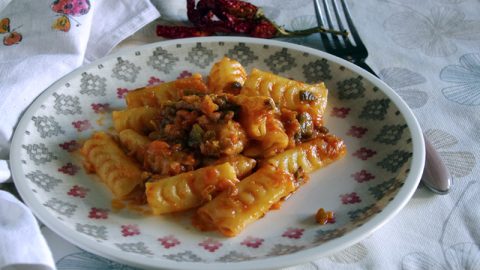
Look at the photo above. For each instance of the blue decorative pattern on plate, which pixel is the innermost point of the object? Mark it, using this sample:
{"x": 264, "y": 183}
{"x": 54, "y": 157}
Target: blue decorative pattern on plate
{"x": 365, "y": 189}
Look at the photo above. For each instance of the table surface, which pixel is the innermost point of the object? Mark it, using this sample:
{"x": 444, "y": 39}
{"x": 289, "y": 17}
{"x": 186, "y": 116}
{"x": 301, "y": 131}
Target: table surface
{"x": 429, "y": 53}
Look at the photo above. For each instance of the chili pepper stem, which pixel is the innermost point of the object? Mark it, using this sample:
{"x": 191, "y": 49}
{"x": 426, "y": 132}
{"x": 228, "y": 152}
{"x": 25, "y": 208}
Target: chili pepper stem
{"x": 286, "y": 33}
{"x": 282, "y": 32}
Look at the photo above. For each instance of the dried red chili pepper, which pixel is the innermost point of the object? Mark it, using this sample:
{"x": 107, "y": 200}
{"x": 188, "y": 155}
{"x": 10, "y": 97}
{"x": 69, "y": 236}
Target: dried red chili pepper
{"x": 182, "y": 31}
{"x": 232, "y": 16}
{"x": 239, "y": 9}
{"x": 264, "y": 29}
{"x": 200, "y": 15}
{"x": 236, "y": 25}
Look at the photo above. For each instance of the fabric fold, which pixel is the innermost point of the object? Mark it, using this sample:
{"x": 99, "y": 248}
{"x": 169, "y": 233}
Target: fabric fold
{"x": 43, "y": 41}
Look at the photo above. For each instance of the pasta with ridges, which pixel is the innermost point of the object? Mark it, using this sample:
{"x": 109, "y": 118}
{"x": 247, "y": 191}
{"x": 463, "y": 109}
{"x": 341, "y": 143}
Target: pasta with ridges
{"x": 230, "y": 148}
{"x": 190, "y": 189}
{"x": 118, "y": 171}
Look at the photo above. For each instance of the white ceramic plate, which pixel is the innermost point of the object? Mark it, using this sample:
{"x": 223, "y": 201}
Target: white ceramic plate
{"x": 365, "y": 189}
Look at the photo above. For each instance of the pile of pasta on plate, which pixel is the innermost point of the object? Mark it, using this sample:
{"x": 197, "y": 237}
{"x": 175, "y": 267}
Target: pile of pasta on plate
{"x": 230, "y": 147}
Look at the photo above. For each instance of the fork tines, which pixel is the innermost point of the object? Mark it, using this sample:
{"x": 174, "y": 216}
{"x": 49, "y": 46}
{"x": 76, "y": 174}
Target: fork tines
{"x": 334, "y": 15}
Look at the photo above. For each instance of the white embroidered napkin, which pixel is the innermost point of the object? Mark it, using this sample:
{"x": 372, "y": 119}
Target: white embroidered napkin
{"x": 22, "y": 245}
{"x": 40, "y": 41}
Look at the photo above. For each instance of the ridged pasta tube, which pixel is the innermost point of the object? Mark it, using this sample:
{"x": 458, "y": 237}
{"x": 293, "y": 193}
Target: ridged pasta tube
{"x": 135, "y": 143}
{"x": 156, "y": 95}
{"x": 309, "y": 156}
{"x": 243, "y": 165}
{"x": 259, "y": 119}
{"x": 230, "y": 214}
{"x": 286, "y": 93}
{"x": 140, "y": 119}
{"x": 190, "y": 189}
{"x": 226, "y": 76}
{"x": 118, "y": 171}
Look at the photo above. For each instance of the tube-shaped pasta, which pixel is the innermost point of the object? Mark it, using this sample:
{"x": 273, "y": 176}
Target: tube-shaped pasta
{"x": 190, "y": 189}
{"x": 156, "y": 95}
{"x": 256, "y": 194}
{"x": 144, "y": 96}
{"x": 253, "y": 114}
{"x": 290, "y": 94}
{"x": 226, "y": 76}
{"x": 135, "y": 143}
{"x": 118, "y": 171}
{"x": 275, "y": 140}
{"x": 310, "y": 155}
{"x": 140, "y": 119}
{"x": 259, "y": 119}
{"x": 243, "y": 165}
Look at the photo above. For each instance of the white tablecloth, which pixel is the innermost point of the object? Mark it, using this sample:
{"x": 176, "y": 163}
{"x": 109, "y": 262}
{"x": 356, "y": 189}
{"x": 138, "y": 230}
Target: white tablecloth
{"x": 429, "y": 52}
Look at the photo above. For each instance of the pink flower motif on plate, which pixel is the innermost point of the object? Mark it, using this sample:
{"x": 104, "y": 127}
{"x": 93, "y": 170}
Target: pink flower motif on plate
{"x": 293, "y": 233}
{"x": 82, "y": 125}
{"x": 69, "y": 169}
{"x": 98, "y": 213}
{"x": 130, "y": 230}
{"x": 169, "y": 241}
{"x": 357, "y": 132}
{"x": 210, "y": 244}
{"x": 184, "y": 74}
{"x": 364, "y": 153}
{"x": 121, "y": 92}
{"x": 70, "y": 146}
{"x": 340, "y": 112}
{"x": 100, "y": 107}
{"x": 252, "y": 242}
{"x": 78, "y": 191}
{"x": 363, "y": 176}
{"x": 154, "y": 81}
{"x": 350, "y": 198}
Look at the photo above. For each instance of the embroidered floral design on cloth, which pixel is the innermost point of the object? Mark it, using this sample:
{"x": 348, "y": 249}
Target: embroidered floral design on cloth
{"x": 11, "y": 37}
{"x": 350, "y": 255}
{"x": 464, "y": 255}
{"x": 67, "y": 10}
{"x": 85, "y": 260}
{"x": 459, "y": 163}
{"x": 403, "y": 80}
{"x": 466, "y": 79}
{"x": 434, "y": 34}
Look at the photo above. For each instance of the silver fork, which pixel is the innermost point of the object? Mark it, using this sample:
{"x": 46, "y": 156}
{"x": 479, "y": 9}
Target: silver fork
{"x": 435, "y": 175}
